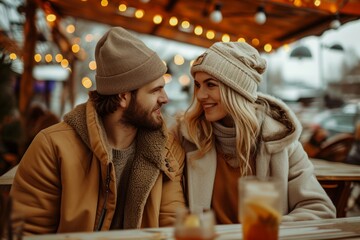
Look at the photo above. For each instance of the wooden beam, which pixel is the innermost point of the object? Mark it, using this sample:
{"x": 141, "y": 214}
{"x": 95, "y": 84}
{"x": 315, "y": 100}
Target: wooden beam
{"x": 30, "y": 36}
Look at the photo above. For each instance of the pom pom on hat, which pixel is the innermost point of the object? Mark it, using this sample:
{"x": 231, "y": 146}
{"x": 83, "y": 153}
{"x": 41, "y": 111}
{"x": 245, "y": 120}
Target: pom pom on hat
{"x": 124, "y": 63}
{"x": 236, "y": 64}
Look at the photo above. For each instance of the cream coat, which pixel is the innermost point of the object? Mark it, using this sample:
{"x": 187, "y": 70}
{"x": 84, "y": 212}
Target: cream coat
{"x": 281, "y": 155}
{"x": 63, "y": 178}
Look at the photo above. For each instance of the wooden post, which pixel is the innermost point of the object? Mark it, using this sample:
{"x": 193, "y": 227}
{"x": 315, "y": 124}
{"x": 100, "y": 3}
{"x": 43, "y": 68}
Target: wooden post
{"x": 30, "y": 36}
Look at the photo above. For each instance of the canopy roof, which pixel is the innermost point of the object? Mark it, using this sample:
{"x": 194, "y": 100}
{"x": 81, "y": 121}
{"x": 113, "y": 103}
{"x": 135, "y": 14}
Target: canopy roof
{"x": 287, "y": 20}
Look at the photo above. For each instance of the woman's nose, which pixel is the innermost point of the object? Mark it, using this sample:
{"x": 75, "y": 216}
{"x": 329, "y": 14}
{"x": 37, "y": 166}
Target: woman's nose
{"x": 201, "y": 93}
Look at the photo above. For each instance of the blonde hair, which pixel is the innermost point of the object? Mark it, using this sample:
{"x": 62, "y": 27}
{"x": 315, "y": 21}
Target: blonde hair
{"x": 247, "y": 126}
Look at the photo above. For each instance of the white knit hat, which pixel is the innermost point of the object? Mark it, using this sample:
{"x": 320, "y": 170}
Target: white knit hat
{"x": 124, "y": 63}
{"x": 236, "y": 64}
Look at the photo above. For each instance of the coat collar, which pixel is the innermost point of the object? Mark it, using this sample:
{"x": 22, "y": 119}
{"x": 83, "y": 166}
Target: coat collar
{"x": 200, "y": 176}
{"x": 149, "y": 159}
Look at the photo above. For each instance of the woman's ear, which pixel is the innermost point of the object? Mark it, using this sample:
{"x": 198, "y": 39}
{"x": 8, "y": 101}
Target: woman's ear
{"x": 124, "y": 99}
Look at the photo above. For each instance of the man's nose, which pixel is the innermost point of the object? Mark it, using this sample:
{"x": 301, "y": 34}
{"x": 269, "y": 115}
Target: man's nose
{"x": 163, "y": 98}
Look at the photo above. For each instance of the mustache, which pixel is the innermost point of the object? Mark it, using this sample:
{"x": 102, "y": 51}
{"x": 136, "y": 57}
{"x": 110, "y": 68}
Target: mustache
{"x": 158, "y": 106}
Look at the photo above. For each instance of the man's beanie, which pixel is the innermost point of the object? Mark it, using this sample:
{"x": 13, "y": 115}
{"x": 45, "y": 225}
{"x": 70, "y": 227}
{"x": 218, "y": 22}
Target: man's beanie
{"x": 236, "y": 64}
{"x": 124, "y": 63}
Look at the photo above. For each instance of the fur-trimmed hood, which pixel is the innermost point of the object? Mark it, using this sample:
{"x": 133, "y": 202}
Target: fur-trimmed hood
{"x": 280, "y": 129}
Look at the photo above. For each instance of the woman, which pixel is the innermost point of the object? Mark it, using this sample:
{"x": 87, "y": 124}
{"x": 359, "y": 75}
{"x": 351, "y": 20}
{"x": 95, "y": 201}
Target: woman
{"x": 231, "y": 130}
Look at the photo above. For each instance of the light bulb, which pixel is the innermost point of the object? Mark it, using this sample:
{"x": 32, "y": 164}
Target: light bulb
{"x": 335, "y": 24}
{"x": 216, "y": 16}
{"x": 260, "y": 17}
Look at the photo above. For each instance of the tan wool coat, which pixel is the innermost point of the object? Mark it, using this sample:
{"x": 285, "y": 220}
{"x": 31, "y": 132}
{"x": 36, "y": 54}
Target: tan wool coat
{"x": 280, "y": 155}
{"x": 66, "y": 182}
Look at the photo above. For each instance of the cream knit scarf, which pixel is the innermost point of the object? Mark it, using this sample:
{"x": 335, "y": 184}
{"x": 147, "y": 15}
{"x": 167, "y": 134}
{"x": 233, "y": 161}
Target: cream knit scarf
{"x": 225, "y": 140}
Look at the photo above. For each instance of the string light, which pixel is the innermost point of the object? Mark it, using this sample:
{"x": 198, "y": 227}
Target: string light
{"x": 225, "y": 38}
{"x": 210, "y": 34}
{"x": 12, "y": 56}
{"x": 157, "y": 19}
{"x": 260, "y": 16}
{"x": 198, "y": 30}
{"x": 216, "y": 15}
{"x": 268, "y": 47}
{"x": 335, "y": 24}
{"x": 173, "y": 21}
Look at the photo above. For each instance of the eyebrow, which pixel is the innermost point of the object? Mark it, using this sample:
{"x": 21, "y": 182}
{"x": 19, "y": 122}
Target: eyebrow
{"x": 156, "y": 88}
{"x": 209, "y": 79}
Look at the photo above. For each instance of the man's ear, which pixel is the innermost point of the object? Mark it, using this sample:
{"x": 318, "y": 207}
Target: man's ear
{"x": 124, "y": 99}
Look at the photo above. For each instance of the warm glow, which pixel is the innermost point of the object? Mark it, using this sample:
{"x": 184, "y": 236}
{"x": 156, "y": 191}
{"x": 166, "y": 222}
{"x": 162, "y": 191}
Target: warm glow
{"x": 37, "y": 57}
{"x": 178, "y": 59}
{"x": 198, "y": 30}
{"x": 92, "y": 65}
{"x": 191, "y": 62}
{"x": 317, "y": 3}
{"x": 70, "y": 28}
{"x": 12, "y": 56}
{"x": 58, "y": 57}
{"x": 157, "y": 19}
{"x": 86, "y": 82}
{"x": 333, "y": 8}
{"x": 225, "y": 38}
{"x": 298, "y": 3}
{"x": 255, "y": 42}
{"x": 268, "y": 47}
{"x": 89, "y": 37}
{"x": 286, "y": 48}
{"x": 104, "y": 3}
{"x": 184, "y": 80}
{"x": 48, "y": 57}
{"x": 51, "y": 18}
{"x": 122, "y": 7}
{"x": 64, "y": 63}
{"x": 167, "y": 78}
{"x": 185, "y": 24}
{"x": 75, "y": 48}
{"x": 210, "y": 34}
{"x": 241, "y": 39}
{"x": 139, "y": 13}
{"x": 173, "y": 21}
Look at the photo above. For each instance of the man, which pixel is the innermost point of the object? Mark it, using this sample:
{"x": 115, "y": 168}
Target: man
{"x": 110, "y": 163}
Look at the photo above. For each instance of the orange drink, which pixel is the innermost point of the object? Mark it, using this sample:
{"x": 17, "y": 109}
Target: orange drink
{"x": 259, "y": 209}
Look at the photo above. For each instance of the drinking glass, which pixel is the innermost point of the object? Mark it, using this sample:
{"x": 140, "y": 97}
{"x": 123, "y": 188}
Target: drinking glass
{"x": 259, "y": 208}
{"x": 195, "y": 225}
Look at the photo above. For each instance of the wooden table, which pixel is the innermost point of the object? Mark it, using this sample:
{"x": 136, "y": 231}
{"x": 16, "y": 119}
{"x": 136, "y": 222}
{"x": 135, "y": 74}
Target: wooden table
{"x": 337, "y": 179}
{"x": 340, "y": 228}
{"x": 327, "y": 170}
{"x": 7, "y": 179}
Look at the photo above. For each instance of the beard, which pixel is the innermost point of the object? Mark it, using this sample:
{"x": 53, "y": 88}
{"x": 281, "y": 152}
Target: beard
{"x": 136, "y": 115}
